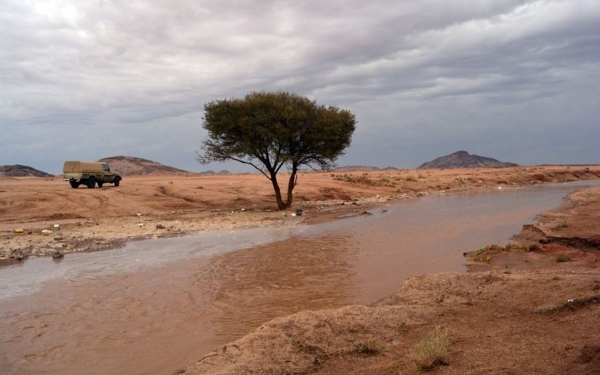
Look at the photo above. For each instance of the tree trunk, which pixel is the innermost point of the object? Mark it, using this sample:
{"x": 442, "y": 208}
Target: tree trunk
{"x": 291, "y": 185}
{"x": 280, "y": 203}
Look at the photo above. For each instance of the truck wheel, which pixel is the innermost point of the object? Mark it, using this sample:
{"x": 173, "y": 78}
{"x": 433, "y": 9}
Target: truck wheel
{"x": 117, "y": 181}
{"x": 91, "y": 182}
{"x": 100, "y": 183}
{"x": 74, "y": 184}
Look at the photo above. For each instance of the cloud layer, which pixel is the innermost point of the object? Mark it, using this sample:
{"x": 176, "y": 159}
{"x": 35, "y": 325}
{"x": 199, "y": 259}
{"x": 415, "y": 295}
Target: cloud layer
{"x": 514, "y": 80}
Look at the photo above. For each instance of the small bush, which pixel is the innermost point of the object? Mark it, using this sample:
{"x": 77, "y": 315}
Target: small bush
{"x": 428, "y": 352}
{"x": 547, "y": 309}
{"x": 369, "y": 347}
{"x": 561, "y": 226}
{"x": 410, "y": 178}
{"x": 561, "y": 258}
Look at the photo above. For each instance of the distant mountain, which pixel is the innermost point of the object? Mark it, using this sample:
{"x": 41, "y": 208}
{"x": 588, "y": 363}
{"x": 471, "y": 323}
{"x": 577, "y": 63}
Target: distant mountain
{"x": 21, "y": 171}
{"x": 131, "y": 166}
{"x": 462, "y": 159}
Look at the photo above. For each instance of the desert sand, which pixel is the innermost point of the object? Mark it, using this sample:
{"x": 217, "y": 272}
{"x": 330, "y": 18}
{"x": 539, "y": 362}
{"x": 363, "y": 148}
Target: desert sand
{"x": 525, "y": 309}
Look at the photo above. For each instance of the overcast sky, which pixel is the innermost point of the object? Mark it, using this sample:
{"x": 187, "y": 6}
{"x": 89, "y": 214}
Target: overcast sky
{"x": 514, "y": 80}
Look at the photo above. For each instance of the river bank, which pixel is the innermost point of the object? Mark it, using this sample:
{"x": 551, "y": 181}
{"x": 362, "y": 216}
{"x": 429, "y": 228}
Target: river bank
{"x": 44, "y": 217}
{"x": 528, "y": 308}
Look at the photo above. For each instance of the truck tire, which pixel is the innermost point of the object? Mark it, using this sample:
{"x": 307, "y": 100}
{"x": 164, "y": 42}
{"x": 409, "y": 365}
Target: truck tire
{"x": 74, "y": 184}
{"x": 117, "y": 180}
{"x": 100, "y": 183}
{"x": 91, "y": 182}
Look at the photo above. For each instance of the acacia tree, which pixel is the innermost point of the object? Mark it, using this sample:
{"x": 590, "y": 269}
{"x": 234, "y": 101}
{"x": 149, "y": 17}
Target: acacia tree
{"x": 271, "y": 130}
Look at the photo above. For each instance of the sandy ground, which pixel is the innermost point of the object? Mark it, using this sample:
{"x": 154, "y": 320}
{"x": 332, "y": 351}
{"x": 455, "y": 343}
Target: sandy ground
{"x": 525, "y": 309}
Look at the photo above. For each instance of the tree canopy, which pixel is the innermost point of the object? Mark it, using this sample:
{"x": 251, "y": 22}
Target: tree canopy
{"x": 270, "y": 130}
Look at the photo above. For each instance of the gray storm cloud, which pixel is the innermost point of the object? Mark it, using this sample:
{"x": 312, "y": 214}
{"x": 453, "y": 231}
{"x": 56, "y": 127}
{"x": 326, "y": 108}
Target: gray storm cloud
{"x": 514, "y": 80}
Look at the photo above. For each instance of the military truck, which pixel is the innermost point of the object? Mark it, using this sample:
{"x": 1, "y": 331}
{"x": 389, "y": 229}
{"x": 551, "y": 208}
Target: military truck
{"x": 89, "y": 174}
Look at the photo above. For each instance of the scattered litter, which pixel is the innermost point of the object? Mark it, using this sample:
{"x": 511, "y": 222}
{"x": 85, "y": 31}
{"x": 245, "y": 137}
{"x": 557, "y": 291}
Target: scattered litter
{"x": 140, "y": 224}
{"x": 46, "y": 231}
{"x": 138, "y": 214}
{"x": 19, "y": 230}
{"x": 298, "y": 212}
{"x": 57, "y": 226}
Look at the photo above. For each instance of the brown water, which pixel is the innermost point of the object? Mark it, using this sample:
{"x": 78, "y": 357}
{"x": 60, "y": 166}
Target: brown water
{"x": 154, "y": 306}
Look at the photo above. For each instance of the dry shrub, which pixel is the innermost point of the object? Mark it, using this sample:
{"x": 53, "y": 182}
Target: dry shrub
{"x": 369, "y": 347}
{"x": 428, "y": 353}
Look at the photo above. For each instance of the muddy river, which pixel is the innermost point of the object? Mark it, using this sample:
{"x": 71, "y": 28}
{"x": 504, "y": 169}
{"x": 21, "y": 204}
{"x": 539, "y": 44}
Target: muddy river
{"x": 158, "y": 305}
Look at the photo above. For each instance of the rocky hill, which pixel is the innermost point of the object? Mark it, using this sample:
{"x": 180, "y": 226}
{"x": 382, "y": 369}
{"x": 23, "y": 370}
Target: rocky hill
{"x": 21, "y": 171}
{"x": 463, "y": 159}
{"x": 131, "y": 166}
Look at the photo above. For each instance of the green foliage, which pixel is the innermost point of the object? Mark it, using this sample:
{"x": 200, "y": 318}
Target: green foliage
{"x": 271, "y": 130}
